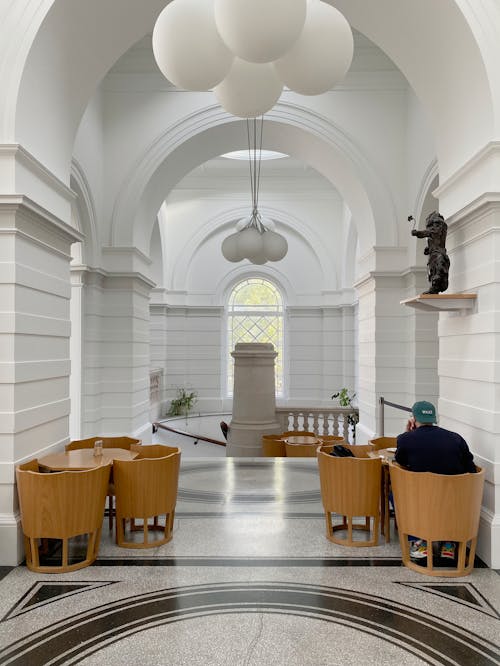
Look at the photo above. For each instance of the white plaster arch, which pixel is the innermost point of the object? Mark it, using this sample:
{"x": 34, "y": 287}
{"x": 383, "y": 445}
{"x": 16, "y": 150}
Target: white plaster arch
{"x": 244, "y": 271}
{"x": 224, "y": 223}
{"x": 71, "y": 50}
{"x": 297, "y": 131}
{"x": 86, "y": 214}
{"x": 436, "y": 49}
{"x": 66, "y": 50}
{"x": 425, "y": 203}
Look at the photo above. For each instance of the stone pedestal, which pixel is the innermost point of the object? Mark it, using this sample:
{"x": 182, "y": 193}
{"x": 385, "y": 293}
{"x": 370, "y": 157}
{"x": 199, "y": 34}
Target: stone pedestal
{"x": 254, "y": 401}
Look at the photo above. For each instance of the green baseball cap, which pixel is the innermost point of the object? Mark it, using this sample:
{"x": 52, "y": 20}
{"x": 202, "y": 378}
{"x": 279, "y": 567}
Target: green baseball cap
{"x": 424, "y": 412}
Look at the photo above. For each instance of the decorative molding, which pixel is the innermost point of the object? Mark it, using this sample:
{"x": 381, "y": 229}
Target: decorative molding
{"x": 491, "y": 149}
{"x": 23, "y": 156}
{"x": 40, "y": 215}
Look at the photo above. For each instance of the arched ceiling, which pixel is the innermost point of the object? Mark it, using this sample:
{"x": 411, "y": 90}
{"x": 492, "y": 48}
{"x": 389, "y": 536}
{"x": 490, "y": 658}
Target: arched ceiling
{"x": 78, "y": 42}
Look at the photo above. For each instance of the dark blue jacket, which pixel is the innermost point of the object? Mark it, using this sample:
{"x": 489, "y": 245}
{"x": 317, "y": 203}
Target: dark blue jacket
{"x": 430, "y": 448}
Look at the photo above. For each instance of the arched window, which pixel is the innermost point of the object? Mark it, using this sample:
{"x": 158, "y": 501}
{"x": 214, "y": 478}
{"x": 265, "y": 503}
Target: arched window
{"x": 255, "y": 314}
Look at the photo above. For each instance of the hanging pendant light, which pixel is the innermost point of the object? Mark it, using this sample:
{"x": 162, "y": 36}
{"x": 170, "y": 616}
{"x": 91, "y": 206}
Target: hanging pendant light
{"x": 254, "y": 241}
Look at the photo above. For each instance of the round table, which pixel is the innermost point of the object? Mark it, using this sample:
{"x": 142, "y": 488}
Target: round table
{"x": 80, "y": 459}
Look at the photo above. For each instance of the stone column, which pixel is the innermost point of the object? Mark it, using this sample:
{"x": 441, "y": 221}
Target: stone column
{"x": 254, "y": 401}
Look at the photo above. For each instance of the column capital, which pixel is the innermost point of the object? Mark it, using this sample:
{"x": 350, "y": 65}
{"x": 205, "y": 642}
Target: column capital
{"x": 19, "y": 214}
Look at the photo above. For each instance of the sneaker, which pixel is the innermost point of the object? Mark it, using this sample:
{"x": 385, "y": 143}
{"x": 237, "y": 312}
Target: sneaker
{"x": 418, "y": 549}
{"x": 448, "y": 550}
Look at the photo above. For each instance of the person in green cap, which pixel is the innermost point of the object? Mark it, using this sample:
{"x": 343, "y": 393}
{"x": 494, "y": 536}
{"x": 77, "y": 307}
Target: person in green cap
{"x": 425, "y": 447}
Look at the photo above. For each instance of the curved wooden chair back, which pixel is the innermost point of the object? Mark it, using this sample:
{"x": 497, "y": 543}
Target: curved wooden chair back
{"x": 52, "y": 508}
{"x": 383, "y": 443}
{"x": 146, "y": 488}
{"x": 273, "y": 446}
{"x": 358, "y": 450}
{"x": 298, "y": 433}
{"x": 153, "y": 450}
{"x": 300, "y": 450}
{"x": 107, "y": 443}
{"x": 332, "y": 439}
{"x": 438, "y": 507}
{"x": 350, "y": 487}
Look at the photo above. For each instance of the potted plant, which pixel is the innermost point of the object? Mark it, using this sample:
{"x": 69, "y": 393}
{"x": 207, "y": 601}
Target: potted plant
{"x": 345, "y": 400}
{"x": 182, "y": 405}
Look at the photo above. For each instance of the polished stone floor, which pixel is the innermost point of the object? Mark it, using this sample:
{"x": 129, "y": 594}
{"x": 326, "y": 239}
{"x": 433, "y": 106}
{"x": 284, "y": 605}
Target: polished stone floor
{"x": 248, "y": 579}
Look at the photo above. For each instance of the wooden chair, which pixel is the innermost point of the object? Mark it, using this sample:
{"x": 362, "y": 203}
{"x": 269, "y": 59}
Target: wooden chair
{"x": 300, "y": 450}
{"x": 350, "y": 487}
{"x": 273, "y": 446}
{"x": 61, "y": 506}
{"x": 332, "y": 439}
{"x": 147, "y": 488}
{"x": 107, "y": 443}
{"x": 438, "y": 507}
{"x": 384, "y": 443}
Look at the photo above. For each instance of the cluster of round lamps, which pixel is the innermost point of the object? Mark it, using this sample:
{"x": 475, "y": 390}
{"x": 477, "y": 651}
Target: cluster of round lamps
{"x": 255, "y": 242}
{"x": 247, "y": 50}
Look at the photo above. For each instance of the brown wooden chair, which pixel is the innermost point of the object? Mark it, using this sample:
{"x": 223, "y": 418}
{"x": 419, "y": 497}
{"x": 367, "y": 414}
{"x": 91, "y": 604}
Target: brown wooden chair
{"x": 146, "y": 488}
{"x": 61, "y": 506}
{"x": 300, "y": 450}
{"x": 384, "y": 443}
{"x": 438, "y": 507}
{"x": 273, "y": 446}
{"x": 107, "y": 443}
{"x": 332, "y": 439}
{"x": 350, "y": 487}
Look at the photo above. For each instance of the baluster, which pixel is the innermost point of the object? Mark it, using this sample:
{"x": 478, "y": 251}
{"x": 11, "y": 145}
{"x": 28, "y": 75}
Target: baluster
{"x": 315, "y": 428}
{"x": 336, "y": 424}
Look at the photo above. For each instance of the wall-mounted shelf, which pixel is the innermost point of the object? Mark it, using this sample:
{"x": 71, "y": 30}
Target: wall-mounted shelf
{"x": 434, "y": 302}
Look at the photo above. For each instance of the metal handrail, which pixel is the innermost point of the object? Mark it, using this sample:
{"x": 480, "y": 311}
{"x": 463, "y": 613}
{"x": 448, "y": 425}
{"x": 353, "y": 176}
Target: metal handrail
{"x": 381, "y": 413}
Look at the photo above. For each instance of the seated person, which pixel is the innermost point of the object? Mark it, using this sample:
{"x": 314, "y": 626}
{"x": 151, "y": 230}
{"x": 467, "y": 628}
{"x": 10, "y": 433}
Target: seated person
{"x": 425, "y": 447}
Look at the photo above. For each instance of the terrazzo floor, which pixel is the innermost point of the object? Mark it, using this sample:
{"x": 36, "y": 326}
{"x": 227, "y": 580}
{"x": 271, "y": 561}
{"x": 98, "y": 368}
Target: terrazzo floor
{"x": 248, "y": 579}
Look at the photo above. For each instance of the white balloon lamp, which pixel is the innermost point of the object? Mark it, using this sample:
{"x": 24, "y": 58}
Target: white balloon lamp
{"x": 249, "y": 90}
{"x": 259, "y": 30}
{"x": 187, "y": 47}
{"x": 230, "y": 249}
{"x": 322, "y": 54}
{"x": 275, "y": 245}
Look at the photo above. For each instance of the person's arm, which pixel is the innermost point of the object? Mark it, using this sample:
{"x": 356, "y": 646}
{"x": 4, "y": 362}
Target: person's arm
{"x": 401, "y": 455}
{"x": 468, "y": 458}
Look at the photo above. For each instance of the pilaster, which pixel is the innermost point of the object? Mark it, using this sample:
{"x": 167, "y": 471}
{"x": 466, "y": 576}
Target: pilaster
{"x": 34, "y": 347}
{"x": 469, "y": 354}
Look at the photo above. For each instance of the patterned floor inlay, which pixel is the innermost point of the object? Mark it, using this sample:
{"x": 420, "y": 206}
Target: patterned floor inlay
{"x": 465, "y": 594}
{"x": 430, "y": 638}
{"x": 43, "y": 593}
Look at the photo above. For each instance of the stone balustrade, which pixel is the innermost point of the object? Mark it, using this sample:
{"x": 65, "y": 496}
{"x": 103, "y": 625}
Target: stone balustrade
{"x": 320, "y": 420}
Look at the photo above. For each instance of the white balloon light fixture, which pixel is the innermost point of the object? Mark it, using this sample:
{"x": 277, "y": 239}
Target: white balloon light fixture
{"x": 187, "y": 47}
{"x": 249, "y": 90}
{"x": 259, "y": 30}
{"x": 254, "y": 241}
{"x": 322, "y": 54}
{"x": 248, "y": 49}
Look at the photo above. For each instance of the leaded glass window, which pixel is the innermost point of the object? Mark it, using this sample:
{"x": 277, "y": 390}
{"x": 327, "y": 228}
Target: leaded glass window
{"x": 255, "y": 314}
